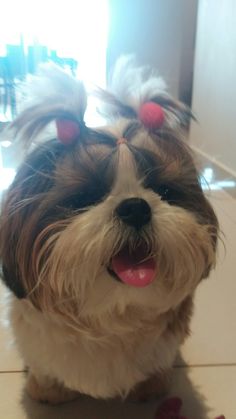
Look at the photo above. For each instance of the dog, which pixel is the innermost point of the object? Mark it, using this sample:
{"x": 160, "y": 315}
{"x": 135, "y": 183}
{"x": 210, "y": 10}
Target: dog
{"x": 105, "y": 235}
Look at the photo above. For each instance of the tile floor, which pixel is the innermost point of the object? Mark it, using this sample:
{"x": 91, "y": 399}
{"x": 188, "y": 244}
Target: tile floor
{"x": 205, "y": 373}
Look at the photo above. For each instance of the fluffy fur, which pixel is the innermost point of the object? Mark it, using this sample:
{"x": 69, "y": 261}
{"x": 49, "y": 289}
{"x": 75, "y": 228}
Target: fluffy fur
{"x": 79, "y": 329}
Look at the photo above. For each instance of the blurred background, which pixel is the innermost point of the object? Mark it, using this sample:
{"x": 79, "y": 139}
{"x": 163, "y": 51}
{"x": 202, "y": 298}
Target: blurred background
{"x": 190, "y": 43}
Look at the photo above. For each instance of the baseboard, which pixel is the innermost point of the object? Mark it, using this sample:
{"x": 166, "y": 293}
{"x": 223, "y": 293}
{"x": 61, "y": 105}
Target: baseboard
{"x": 226, "y": 171}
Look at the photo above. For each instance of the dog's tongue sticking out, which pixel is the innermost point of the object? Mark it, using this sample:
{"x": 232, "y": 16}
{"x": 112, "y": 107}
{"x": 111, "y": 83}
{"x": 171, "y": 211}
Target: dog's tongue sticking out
{"x": 134, "y": 268}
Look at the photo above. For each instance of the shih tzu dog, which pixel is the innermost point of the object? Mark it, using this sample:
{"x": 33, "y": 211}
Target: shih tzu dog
{"x": 105, "y": 234}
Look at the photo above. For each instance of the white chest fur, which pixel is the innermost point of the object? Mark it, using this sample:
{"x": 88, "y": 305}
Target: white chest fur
{"x": 99, "y": 366}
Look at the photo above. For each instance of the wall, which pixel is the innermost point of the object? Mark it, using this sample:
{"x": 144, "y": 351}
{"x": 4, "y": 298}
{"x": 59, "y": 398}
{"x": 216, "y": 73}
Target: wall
{"x": 160, "y": 33}
{"x": 214, "y": 93}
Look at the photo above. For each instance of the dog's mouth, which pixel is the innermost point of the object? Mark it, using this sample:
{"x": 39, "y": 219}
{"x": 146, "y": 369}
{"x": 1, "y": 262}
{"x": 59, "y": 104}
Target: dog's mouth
{"x": 133, "y": 267}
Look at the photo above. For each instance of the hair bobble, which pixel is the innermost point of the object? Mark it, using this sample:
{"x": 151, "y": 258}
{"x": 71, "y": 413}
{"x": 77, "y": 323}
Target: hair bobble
{"x": 68, "y": 130}
{"x": 151, "y": 115}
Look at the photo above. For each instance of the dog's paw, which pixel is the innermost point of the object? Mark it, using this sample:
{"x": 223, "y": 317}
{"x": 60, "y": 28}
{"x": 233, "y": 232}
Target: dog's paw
{"x": 49, "y": 391}
{"x": 151, "y": 389}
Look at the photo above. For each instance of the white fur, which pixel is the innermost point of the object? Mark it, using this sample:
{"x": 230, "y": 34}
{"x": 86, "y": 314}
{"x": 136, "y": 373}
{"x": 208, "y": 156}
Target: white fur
{"x": 89, "y": 365}
{"x": 135, "y": 85}
{"x": 52, "y": 85}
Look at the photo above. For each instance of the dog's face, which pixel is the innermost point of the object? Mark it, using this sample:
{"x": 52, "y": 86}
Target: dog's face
{"x": 97, "y": 227}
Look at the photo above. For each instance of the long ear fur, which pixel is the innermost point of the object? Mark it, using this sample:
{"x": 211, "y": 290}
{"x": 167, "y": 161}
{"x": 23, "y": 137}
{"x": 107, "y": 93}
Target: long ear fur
{"x": 50, "y": 95}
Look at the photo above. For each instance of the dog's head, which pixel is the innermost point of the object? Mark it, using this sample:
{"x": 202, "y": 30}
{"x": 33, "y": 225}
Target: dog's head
{"x": 114, "y": 218}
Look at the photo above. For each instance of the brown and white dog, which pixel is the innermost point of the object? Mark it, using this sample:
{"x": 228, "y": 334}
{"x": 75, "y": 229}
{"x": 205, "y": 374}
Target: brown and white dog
{"x": 105, "y": 234}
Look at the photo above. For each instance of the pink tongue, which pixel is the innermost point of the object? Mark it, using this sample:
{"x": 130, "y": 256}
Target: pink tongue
{"x": 134, "y": 269}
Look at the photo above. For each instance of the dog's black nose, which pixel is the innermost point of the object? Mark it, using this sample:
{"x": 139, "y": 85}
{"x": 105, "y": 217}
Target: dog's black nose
{"x": 134, "y": 211}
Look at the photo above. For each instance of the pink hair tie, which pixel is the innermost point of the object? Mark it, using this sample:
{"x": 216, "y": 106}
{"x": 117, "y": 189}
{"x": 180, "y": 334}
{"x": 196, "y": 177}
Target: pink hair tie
{"x": 68, "y": 130}
{"x": 151, "y": 115}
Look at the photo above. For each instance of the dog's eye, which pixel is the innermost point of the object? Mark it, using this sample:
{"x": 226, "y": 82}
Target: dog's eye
{"x": 84, "y": 198}
{"x": 163, "y": 191}
{"x": 167, "y": 193}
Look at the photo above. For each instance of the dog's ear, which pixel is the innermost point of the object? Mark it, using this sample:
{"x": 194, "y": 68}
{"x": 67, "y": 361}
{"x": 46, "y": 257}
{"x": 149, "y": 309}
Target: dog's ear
{"x": 51, "y": 95}
{"x": 10, "y": 231}
{"x": 12, "y": 280}
{"x": 20, "y": 205}
{"x": 9, "y": 271}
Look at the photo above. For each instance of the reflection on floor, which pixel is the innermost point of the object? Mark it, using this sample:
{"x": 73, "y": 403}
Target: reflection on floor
{"x": 205, "y": 373}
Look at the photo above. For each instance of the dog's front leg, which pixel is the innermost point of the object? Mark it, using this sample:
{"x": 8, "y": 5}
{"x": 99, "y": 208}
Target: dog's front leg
{"x": 47, "y": 390}
{"x": 154, "y": 387}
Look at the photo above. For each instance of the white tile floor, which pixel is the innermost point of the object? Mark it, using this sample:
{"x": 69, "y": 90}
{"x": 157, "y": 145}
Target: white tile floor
{"x": 205, "y": 377}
